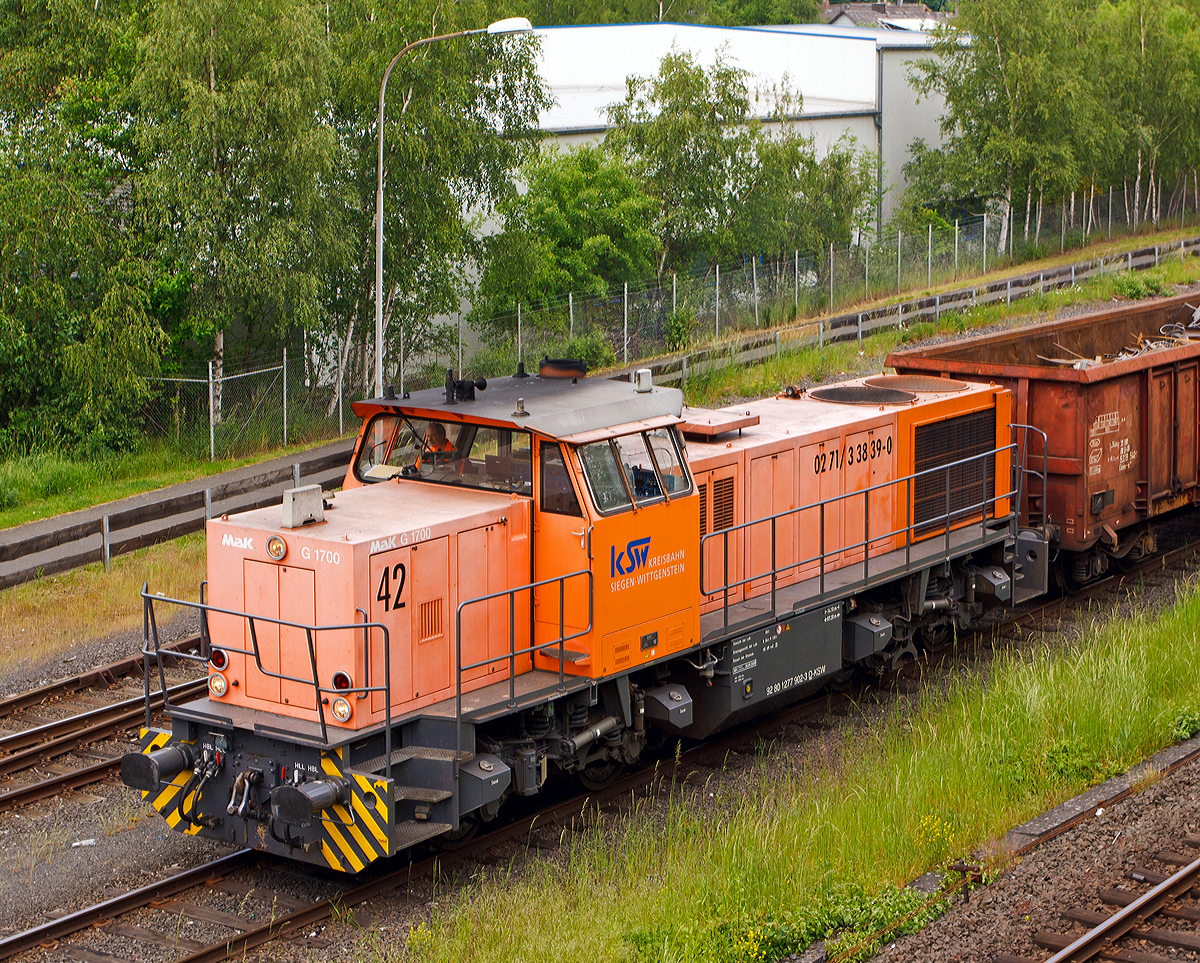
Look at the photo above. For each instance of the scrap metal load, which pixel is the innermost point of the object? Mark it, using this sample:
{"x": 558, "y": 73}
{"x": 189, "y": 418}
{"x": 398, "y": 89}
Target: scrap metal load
{"x": 540, "y": 574}
{"x": 1115, "y": 394}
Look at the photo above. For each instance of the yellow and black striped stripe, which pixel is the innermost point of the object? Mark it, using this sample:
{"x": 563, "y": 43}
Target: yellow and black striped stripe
{"x": 358, "y": 831}
{"x": 165, "y": 800}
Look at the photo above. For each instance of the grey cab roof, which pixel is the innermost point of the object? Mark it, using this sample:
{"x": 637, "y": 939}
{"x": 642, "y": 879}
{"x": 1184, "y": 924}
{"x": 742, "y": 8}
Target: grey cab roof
{"x": 557, "y": 407}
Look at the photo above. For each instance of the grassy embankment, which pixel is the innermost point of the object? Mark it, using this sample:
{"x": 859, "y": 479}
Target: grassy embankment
{"x": 798, "y": 849}
{"x": 47, "y": 484}
{"x": 48, "y": 615}
{"x": 843, "y": 359}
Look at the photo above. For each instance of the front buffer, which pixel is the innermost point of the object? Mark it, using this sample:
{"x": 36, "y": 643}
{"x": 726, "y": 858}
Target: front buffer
{"x": 332, "y": 806}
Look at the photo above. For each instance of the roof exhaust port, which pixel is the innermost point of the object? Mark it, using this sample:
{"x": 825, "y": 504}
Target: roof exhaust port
{"x": 643, "y": 380}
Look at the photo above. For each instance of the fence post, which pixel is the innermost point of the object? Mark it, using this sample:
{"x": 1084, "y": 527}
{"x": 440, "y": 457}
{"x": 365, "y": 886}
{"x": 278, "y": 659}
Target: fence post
{"x": 831, "y": 277}
{"x": 520, "y": 357}
{"x": 754, "y": 271}
{"x": 1156, "y": 255}
{"x": 1128, "y": 260}
{"x": 1008, "y": 292}
{"x": 867, "y": 274}
{"x": 778, "y": 346}
{"x": 985, "y": 242}
{"x": 1110, "y": 212}
{"x": 1062, "y": 219}
{"x": 929, "y": 268}
{"x": 106, "y": 546}
{"x": 571, "y": 305}
{"x": 626, "y": 323}
{"x": 859, "y": 330}
{"x": 341, "y": 405}
{"x": 1072, "y": 275}
{"x": 796, "y": 280}
{"x": 899, "y": 238}
{"x": 937, "y": 308}
{"x": 296, "y": 475}
{"x": 956, "y": 249}
{"x": 212, "y": 433}
{"x": 674, "y": 294}
{"x": 207, "y": 504}
{"x": 285, "y": 438}
{"x": 717, "y": 329}
{"x": 821, "y": 335}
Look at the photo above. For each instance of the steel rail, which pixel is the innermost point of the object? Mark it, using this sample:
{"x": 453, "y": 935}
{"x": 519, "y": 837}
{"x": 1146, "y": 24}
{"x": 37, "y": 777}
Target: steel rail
{"x": 10, "y": 946}
{"x": 63, "y": 735}
{"x": 102, "y": 675}
{"x": 1095, "y": 941}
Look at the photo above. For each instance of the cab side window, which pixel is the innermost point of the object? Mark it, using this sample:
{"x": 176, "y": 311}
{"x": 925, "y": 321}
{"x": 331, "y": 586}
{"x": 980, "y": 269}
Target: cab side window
{"x": 557, "y": 492}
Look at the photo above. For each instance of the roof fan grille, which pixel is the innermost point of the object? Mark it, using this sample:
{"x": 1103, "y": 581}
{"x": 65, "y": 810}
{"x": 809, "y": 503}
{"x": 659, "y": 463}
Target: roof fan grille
{"x": 916, "y": 383}
{"x": 862, "y": 395}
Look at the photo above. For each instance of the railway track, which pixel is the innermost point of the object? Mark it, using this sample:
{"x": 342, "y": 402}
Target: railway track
{"x": 1137, "y": 915}
{"x": 91, "y": 720}
{"x": 265, "y": 914}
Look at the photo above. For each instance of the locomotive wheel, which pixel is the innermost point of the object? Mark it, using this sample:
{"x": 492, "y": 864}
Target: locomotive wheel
{"x": 468, "y": 826}
{"x": 599, "y": 775}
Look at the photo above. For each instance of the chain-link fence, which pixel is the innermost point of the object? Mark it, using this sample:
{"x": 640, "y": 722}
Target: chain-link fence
{"x": 229, "y": 412}
{"x": 233, "y": 412}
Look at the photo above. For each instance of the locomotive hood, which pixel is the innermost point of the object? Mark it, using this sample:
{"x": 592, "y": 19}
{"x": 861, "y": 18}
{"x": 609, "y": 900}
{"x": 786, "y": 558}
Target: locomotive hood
{"x": 400, "y": 554}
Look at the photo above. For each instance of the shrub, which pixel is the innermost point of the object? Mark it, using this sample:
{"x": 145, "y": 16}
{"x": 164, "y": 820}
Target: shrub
{"x": 679, "y": 328}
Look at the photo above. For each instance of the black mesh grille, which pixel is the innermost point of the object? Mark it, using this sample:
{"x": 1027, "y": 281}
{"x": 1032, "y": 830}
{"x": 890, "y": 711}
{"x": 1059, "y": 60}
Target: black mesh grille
{"x": 970, "y": 483}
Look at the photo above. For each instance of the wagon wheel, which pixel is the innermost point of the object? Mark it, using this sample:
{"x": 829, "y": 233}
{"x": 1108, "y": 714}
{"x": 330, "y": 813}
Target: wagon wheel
{"x": 936, "y": 637}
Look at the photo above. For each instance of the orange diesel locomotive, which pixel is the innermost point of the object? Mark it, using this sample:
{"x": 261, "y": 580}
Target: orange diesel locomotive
{"x": 553, "y": 572}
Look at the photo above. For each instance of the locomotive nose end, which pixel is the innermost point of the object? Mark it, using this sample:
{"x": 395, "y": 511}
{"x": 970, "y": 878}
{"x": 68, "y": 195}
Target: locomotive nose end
{"x": 146, "y": 770}
{"x": 299, "y": 804}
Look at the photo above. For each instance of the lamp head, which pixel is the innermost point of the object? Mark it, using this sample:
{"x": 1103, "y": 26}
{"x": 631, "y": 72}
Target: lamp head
{"x": 510, "y": 26}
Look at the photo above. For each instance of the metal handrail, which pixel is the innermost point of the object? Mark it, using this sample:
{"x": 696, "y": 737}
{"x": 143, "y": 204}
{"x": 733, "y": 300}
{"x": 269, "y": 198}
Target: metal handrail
{"x": 150, "y": 632}
{"x": 863, "y": 493}
{"x": 1043, "y": 476}
{"x": 513, "y": 651}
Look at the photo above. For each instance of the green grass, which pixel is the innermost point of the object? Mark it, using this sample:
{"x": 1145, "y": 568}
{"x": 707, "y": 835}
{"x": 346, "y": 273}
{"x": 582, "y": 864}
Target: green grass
{"x": 820, "y": 846}
{"x": 46, "y": 484}
{"x": 810, "y": 365}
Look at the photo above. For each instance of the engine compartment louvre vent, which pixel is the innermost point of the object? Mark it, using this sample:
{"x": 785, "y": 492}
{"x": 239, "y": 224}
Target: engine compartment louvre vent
{"x": 703, "y": 509}
{"x": 431, "y": 620}
{"x": 722, "y": 498}
{"x": 960, "y": 488}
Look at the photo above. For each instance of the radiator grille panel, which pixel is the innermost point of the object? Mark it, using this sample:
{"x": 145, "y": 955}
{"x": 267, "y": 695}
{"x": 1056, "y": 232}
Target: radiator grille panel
{"x": 944, "y": 443}
{"x": 722, "y": 503}
{"x": 703, "y": 510}
{"x": 431, "y": 620}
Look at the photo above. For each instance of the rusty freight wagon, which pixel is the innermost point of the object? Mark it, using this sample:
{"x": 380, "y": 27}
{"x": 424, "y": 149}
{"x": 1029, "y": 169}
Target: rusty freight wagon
{"x": 1115, "y": 394}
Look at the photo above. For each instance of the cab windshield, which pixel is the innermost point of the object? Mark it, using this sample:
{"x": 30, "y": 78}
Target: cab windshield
{"x": 635, "y": 468}
{"x": 452, "y": 453}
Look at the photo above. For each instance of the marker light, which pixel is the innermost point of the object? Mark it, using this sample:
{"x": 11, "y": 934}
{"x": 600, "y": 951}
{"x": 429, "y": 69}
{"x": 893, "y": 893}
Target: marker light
{"x": 218, "y": 659}
{"x": 341, "y": 709}
{"x": 341, "y": 681}
{"x": 217, "y": 684}
{"x": 276, "y": 547}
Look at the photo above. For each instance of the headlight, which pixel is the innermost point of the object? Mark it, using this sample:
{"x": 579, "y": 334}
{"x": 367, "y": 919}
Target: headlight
{"x": 341, "y": 709}
{"x": 217, "y": 684}
{"x": 276, "y": 547}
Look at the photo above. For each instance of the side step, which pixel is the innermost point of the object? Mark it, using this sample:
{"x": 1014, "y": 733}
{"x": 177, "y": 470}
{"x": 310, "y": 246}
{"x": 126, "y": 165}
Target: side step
{"x": 420, "y": 794}
{"x": 410, "y": 832}
{"x": 551, "y": 652}
{"x": 379, "y": 763}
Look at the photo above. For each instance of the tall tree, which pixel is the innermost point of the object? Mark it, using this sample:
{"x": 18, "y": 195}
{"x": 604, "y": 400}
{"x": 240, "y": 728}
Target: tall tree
{"x": 581, "y": 226}
{"x": 244, "y": 182}
{"x": 690, "y": 134}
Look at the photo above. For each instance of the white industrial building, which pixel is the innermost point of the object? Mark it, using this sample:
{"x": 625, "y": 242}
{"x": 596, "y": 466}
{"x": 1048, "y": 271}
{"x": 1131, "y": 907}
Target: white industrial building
{"x": 851, "y": 79}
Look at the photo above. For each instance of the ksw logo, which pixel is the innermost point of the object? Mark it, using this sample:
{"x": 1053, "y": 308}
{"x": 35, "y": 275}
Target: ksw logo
{"x": 380, "y": 544}
{"x": 630, "y": 560}
{"x": 238, "y": 542}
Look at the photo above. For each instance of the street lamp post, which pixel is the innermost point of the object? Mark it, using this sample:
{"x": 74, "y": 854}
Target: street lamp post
{"x": 509, "y": 27}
